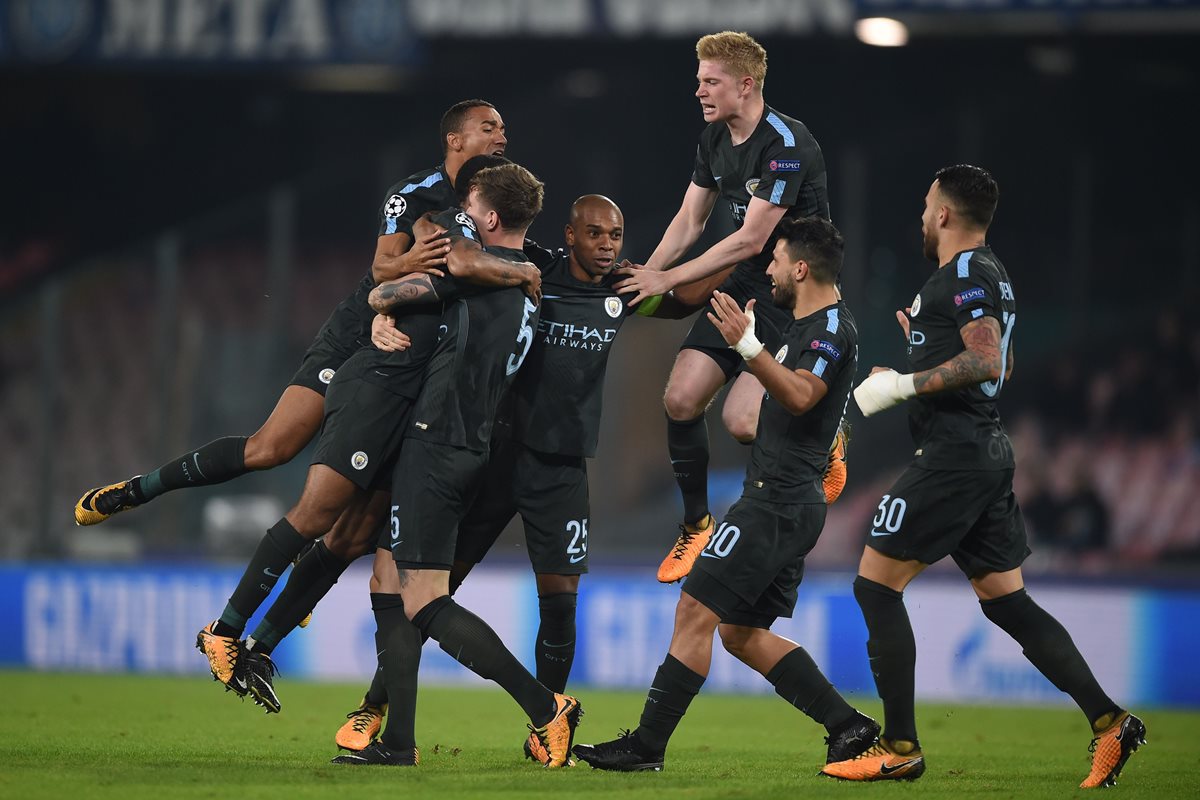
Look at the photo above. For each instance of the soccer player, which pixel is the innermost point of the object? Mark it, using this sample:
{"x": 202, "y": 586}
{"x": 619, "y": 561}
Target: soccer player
{"x": 486, "y": 338}
{"x": 468, "y": 128}
{"x": 956, "y": 497}
{"x": 766, "y": 166}
{"x": 537, "y": 466}
{"x": 749, "y": 573}
{"x": 366, "y": 408}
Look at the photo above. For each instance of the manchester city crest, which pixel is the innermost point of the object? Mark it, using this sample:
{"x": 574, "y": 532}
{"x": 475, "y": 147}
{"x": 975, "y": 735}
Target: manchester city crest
{"x": 463, "y": 218}
{"x": 916, "y": 305}
{"x": 613, "y": 306}
{"x": 782, "y": 354}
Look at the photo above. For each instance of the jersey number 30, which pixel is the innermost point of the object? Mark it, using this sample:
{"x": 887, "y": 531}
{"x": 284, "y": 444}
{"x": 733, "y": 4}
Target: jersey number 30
{"x": 524, "y": 339}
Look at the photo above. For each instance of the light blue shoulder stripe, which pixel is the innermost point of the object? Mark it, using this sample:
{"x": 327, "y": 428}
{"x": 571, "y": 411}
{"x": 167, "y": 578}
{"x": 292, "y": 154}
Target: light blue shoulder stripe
{"x": 789, "y": 138}
{"x": 964, "y": 264}
{"x": 819, "y": 367}
{"x": 832, "y": 324}
{"x": 777, "y": 192}
{"x": 391, "y": 225}
{"x": 425, "y": 184}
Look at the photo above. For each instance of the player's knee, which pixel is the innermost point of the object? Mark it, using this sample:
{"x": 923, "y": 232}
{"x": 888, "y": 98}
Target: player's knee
{"x": 736, "y": 640}
{"x": 741, "y": 424}
{"x": 556, "y": 584}
{"x": 266, "y": 452}
{"x": 682, "y": 405}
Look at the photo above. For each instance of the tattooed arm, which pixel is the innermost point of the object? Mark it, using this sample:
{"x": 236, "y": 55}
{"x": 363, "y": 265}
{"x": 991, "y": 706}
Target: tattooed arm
{"x": 415, "y": 288}
{"x": 979, "y": 362}
{"x": 468, "y": 261}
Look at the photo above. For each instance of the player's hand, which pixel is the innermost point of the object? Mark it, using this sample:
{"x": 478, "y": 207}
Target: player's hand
{"x": 385, "y": 336}
{"x": 532, "y": 283}
{"x": 428, "y": 253}
{"x": 645, "y": 282}
{"x": 736, "y": 326}
{"x": 902, "y": 318}
{"x": 883, "y": 389}
{"x": 425, "y": 226}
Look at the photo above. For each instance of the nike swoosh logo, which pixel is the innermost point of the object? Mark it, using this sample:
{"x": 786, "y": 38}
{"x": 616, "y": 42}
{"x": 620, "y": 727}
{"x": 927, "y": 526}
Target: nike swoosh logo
{"x": 196, "y": 459}
{"x": 381, "y": 652}
{"x": 880, "y": 533}
{"x": 576, "y": 560}
{"x": 709, "y": 555}
{"x": 396, "y": 543}
{"x": 565, "y": 644}
{"x": 680, "y": 460}
{"x": 240, "y": 681}
{"x": 552, "y": 297}
{"x": 884, "y": 769}
{"x": 653, "y": 689}
{"x": 268, "y": 573}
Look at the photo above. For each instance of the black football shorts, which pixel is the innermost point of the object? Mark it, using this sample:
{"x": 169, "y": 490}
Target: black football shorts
{"x": 751, "y": 569}
{"x": 433, "y": 486}
{"x": 972, "y": 516}
{"x": 769, "y": 322}
{"x": 550, "y": 492}
{"x": 362, "y": 430}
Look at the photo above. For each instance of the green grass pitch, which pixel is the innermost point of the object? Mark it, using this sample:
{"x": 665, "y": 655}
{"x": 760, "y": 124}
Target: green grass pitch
{"x": 95, "y": 736}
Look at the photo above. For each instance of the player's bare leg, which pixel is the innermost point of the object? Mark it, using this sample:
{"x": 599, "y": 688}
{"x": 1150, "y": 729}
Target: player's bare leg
{"x": 742, "y": 404}
{"x": 695, "y": 380}
{"x": 1045, "y": 642}
{"x": 290, "y": 427}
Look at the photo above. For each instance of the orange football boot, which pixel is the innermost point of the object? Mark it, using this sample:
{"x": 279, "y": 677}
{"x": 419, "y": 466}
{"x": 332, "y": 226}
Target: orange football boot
{"x": 1111, "y": 748}
{"x": 692, "y": 539}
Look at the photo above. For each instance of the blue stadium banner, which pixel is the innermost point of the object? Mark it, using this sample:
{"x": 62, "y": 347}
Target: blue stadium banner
{"x": 217, "y": 33}
{"x": 143, "y": 618}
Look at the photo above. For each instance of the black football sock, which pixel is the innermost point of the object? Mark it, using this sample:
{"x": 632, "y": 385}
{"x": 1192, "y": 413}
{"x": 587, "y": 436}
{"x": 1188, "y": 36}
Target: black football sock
{"x": 799, "y": 680}
{"x": 274, "y": 553}
{"x": 1049, "y": 647}
{"x": 667, "y": 701}
{"x": 893, "y": 654}
{"x": 215, "y": 462}
{"x": 687, "y": 443}
{"x": 398, "y": 643}
{"x": 377, "y": 693}
{"x": 555, "y": 648}
{"x": 472, "y": 643}
{"x": 310, "y": 580}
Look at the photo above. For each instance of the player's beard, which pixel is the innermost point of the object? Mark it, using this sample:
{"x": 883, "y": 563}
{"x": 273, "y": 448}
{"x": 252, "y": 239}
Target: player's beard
{"x": 929, "y": 244}
{"x": 784, "y": 295}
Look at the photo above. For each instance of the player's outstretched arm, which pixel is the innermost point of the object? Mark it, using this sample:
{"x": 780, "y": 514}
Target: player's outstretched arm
{"x": 685, "y": 228}
{"x": 796, "y": 390}
{"x": 747, "y": 241}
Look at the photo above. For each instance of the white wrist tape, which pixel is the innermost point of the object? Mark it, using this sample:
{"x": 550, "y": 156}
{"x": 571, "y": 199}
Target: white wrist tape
{"x": 748, "y": 346}
{"x": 882, "y": 390}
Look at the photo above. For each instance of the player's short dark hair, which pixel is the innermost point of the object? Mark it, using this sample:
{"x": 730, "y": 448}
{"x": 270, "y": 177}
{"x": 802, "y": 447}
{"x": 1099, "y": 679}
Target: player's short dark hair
{"x": 462, "y": 181}
{"x": 452, "y": 120}
{"x": 971, "y": 190}
{"x": 513, "y": 192}
{"x": 816, "y": 241}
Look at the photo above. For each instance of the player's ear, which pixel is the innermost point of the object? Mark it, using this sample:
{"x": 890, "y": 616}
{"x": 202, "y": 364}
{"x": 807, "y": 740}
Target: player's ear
{"x": 453, "y": 142}
{"x": 801, "y": 271}
{"x": 569, "y": 233}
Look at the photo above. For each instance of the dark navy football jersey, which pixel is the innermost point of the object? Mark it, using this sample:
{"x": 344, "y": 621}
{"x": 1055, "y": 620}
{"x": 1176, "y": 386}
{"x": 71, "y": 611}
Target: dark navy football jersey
{"x": 558, "y": 395}
{"x": 349, "y": 327}
{"x": 781, "y": 163}
{"x": 960, "y": 429}
{"x": 787, "y": 462}
{"x": 486, "y": 335}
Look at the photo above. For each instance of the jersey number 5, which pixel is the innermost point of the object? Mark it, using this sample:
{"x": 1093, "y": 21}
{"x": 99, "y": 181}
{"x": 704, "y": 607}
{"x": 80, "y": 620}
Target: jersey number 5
{"x": 524, "y": 334}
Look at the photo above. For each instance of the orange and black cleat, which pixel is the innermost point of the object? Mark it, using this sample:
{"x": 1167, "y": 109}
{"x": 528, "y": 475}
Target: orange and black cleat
{"x": 557, "y": 735}
{"x": 223, "y": 653}
{"x": 100, "y": 503}
{"x": 692, "y": 540}
{"x": 362, "y": 726}
{"x": 834, "y": 480}
{"x": 1111, "y": 748}
{"x": 879, "y": 763}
